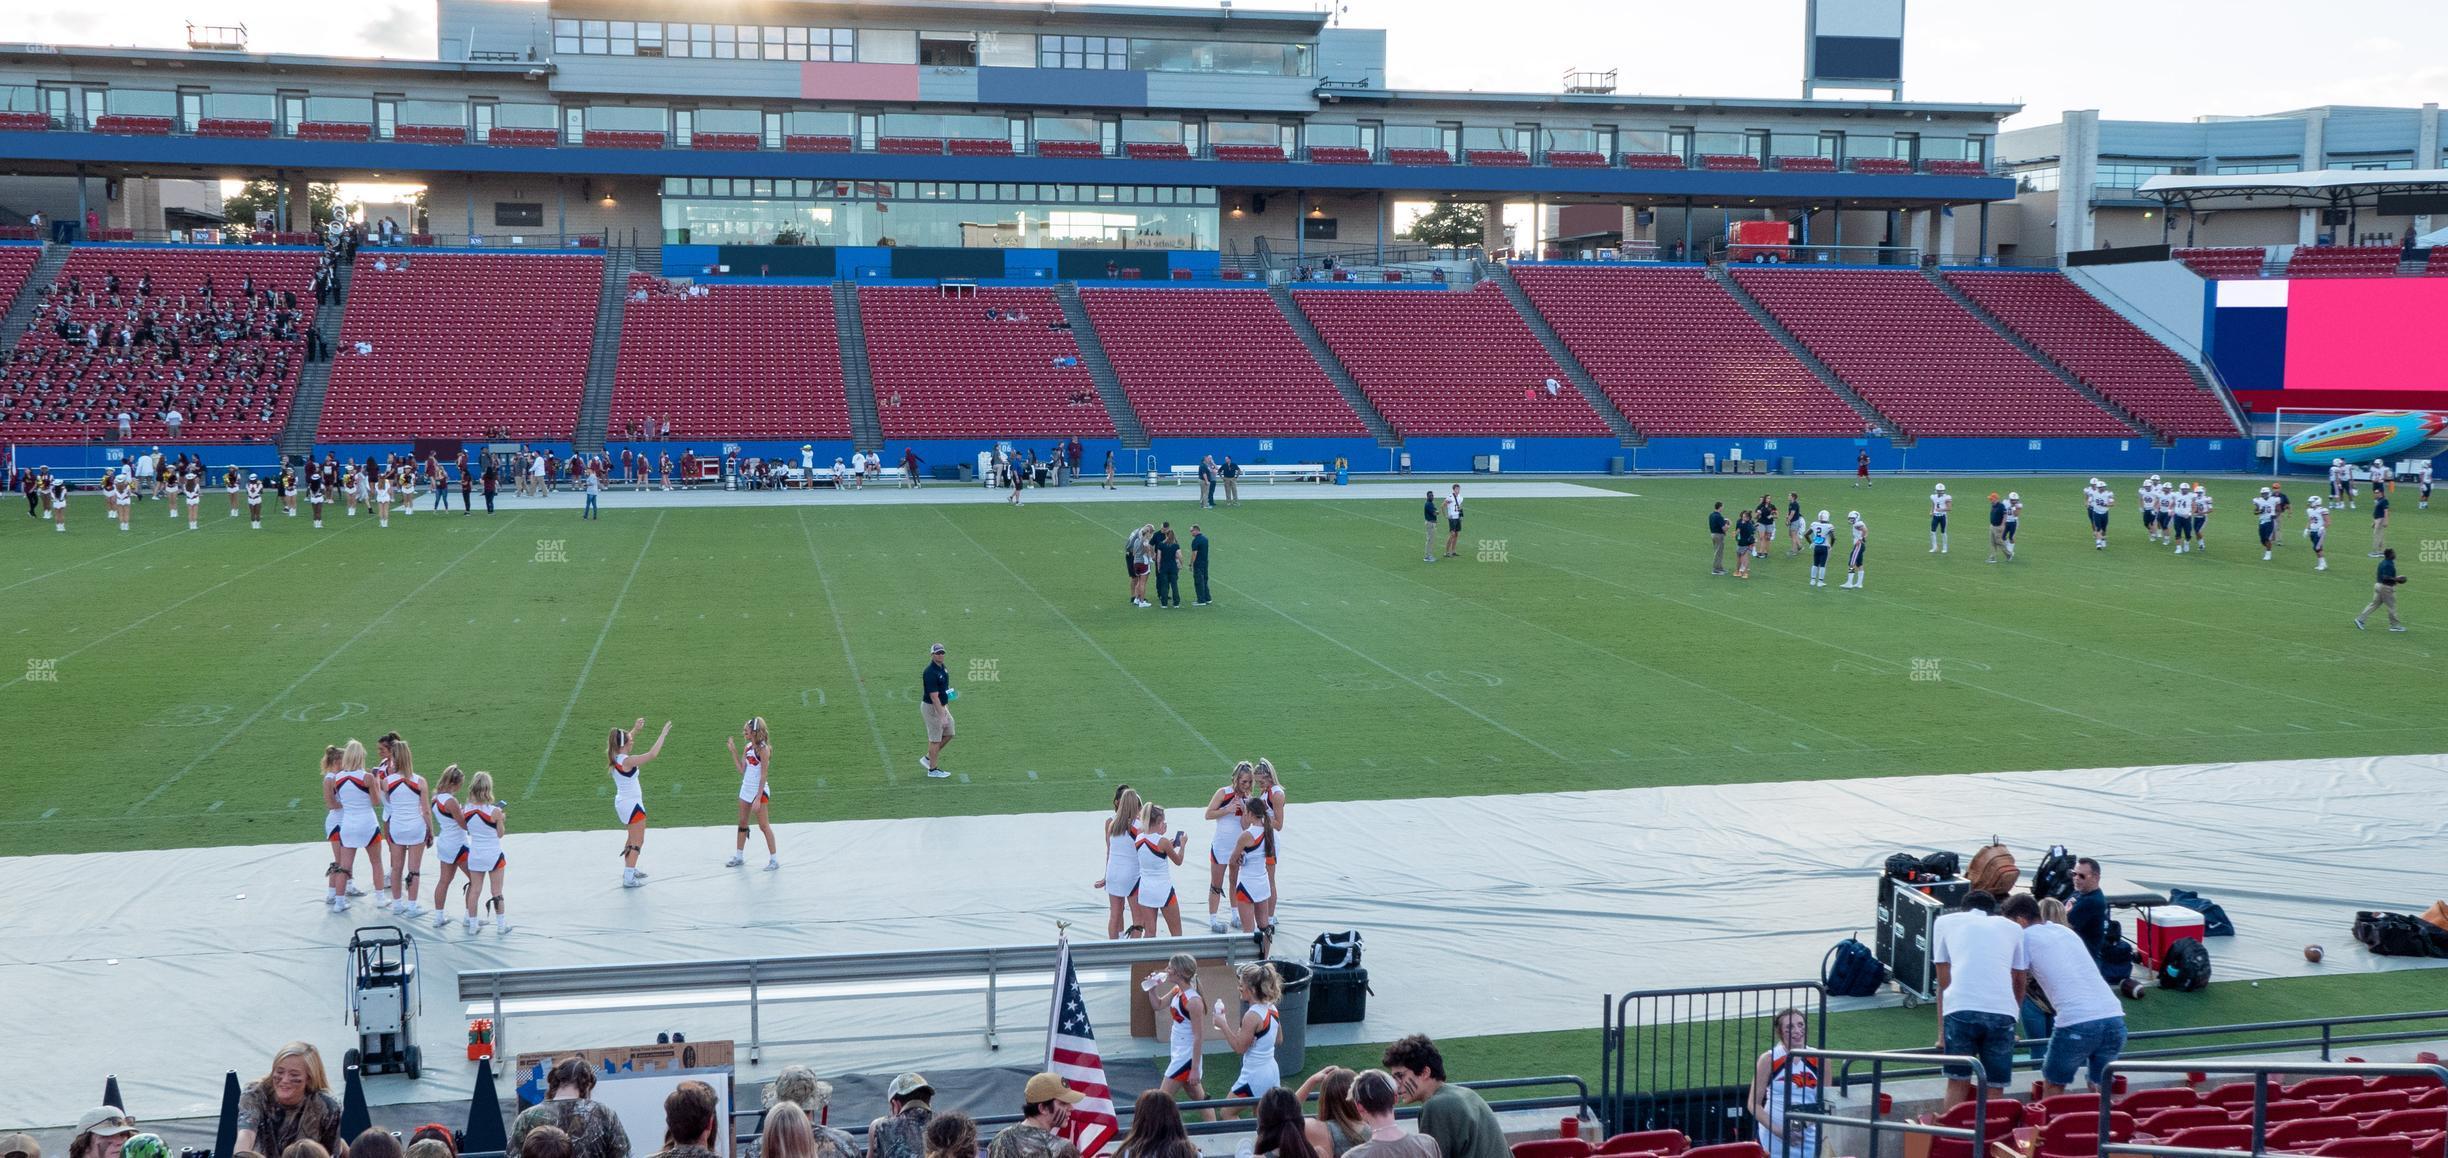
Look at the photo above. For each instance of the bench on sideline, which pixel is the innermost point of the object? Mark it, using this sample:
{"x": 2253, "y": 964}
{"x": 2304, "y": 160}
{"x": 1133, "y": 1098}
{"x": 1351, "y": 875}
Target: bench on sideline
{"x": 1296, "y": 471}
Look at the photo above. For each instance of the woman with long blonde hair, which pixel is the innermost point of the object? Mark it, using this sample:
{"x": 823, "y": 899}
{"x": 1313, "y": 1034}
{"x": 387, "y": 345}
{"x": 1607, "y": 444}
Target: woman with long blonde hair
{"x": 1121, "y": 877}
{"x": 1253, "y": 889}
{"x": 486, "y": 825}
{"x": 331, "y": 826}
{"x": 291, "y": 1104}
{"x": 1157, "y": 854}
{"x": 756, "y": 792}
{"x": 408, "y": 808}
{"x": 350, "y": 793}
{"x": 1224, "y": 808}
{"x": 628, "y": 796}
{"x": 450, "y": 840}
{"x": 1264, "y": 782}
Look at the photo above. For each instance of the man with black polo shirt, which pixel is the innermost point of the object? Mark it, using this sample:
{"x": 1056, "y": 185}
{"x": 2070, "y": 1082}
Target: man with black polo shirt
{"x": 935, "y": 705}
{"x": 1997, "y": 526}
{"x": 1207, "y": 482}
{"x": 1198, "y": 555}
{"x": 1231, "y": 472}
{"x": 1168, "y": 568}
{"x": 2384, "y": 582}
{"x": 1717, "y": 533}
{"x": 2380, "y": 509}
{"x": 1431, "y": 513}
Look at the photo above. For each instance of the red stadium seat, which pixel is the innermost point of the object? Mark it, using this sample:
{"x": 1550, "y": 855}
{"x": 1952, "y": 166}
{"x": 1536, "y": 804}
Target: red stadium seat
{"x": 463, "y": 343}
{"x": 2227, "y": 263}
{"x": 2344, "y": 261}
{"x": 1652, "y": 161}
{"x": 801, "y": 143}
{"x": 1678, "y": 355}
{"x": 2174, "y": 1118}
{"x": 1728, "y": 1150}
{"x": 2306, "y": 1133}
{"x": 1553, "y": 1148}
{"x": 2230, "y": 1137}
{"x": 741, "y": 361}
{"x": 1262, "y": 153}
{"x": 1156, "y": 151}
{"x": 1214, "y": 362}
{"x": 726, "y": 142}
{"x": 1667, "y": 1142}
{"x": 2097, "y": 344}
{"x": 959, "y": 375}
{"x": 1444, "y": 362}
{"x": 1339, "y": 155}
{"x": 1071, "y": 149}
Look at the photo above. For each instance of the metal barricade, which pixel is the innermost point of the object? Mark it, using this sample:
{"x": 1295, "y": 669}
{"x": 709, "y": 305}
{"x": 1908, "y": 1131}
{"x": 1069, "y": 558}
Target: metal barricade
{"x": 1675, "y": 1057}
{"x": 2260, "y": 1075}
{"x": 1872, "y": 1122}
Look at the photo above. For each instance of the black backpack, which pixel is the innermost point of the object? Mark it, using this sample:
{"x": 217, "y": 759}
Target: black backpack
{"x": 1336, "y": 950}
{"x": 1942, "y": 865}
{"x": 1903, "y": 865}
{"x": 2186, "y": 968}
{"x": 1851, "y": 970}
{"x": 2399, "y": 935}
{"x": 2055, "y": 876}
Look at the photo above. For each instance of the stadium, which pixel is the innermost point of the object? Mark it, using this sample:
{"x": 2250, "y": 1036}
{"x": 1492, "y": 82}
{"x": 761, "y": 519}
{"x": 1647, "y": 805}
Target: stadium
{"x": 735, "y": 404}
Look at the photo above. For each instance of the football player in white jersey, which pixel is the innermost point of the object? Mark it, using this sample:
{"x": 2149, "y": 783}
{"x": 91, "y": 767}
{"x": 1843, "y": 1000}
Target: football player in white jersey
{"x": 2337, "y": 480}
{"x": 2265, "y": 512}
{"x": 1856, "y": 575}
{"x": 2176, "y": 509}
{"x": 1940, "y": 503}
{"x": 2146, "y": 503}
{"x": 2422, "y": 475}
{"x": 2199, "y": 527}
{"x": 1821, "y": 537}
{"x": 2089, "y": 489}
{"x": 2101, "y": 500}
{"x": 2316, "y": 530}
{"x": 2014, "y": 520}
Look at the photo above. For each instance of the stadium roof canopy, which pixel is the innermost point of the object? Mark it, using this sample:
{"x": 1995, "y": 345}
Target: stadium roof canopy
{"x": 2319, "y": 189}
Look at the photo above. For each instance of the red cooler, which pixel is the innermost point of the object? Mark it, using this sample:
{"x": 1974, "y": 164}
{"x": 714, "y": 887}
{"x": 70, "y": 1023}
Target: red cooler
{"x": 2158, "y": 930}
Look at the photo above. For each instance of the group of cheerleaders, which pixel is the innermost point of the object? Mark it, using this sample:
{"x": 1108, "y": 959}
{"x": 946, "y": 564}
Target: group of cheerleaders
{"x": 466, "y": 832}
{"x": 1139, "y": 859}
{"x": 353, "y": 488}
{"x": 1174, "y": 996}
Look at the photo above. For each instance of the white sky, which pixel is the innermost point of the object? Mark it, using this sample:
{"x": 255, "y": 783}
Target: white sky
{"x": 2132, "y": 61}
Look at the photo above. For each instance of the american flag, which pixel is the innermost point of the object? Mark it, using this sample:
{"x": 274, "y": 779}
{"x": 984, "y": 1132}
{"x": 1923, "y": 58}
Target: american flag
{"x": 1071, "y": 1054}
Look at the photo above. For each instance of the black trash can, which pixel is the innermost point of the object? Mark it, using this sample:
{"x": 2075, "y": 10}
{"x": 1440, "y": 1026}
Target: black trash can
{"x": 1292, "y": 1014}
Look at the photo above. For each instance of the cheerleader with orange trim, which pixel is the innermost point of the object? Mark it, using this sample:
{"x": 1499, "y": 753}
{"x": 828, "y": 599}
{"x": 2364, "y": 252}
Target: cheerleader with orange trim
{"x": 1253, "y": 891}
{"x": 450, "y": 841}
{"x": 331, "y": 816}
{"x": 408, "y": 813}
{"x": 756, "y": 791}
{"x": 1264, "y": 783}
{"x": 1121, "y": 879}
{"x": 1157, "y": 854}
{"x": 1224, "y": 808}
{"x": 628, "y": 796}
{"x": 350, "y": 792}
{"x": 1175, "y": 997}
{"x": 487, "y": 822}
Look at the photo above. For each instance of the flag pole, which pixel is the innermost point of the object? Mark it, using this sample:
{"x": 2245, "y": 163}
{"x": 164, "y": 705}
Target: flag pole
{"x": 1062, "y": 967}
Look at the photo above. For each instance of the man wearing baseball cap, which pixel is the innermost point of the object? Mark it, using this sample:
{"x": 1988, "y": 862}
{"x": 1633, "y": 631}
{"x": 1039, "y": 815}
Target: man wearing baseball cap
{"x": 111, "y": 1128}
{"x": 902, "y": 1133}
{"x": 935, "y": 705}
{"x": 1046, "y": 1108}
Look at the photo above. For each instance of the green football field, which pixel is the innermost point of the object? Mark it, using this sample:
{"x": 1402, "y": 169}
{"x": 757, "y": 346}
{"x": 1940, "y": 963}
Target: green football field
{"x": 168, "y": 688}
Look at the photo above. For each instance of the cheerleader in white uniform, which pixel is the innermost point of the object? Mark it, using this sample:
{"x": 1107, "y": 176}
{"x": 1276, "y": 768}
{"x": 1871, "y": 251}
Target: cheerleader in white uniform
{"x": 756, "y": 792}
{"x": 254, "y": 496}
{"x": 351, "y": 794}
{"x": 191, "y": 488}
{"x": 1264, "y": 783}
{"x": 1175, "y": 997}
{"x": 352, "y": 492}
{"x": 314, "y": 499}
{"x": 486, "y": 823}
{"x": 450, "y": 840}
{"x": 408, "y": 811}
{"x": 331, "y": 815}
{"x": 1224, "y": 808}
{"x": 1157, "y": 854}
{"x": 407, "y": 490}
{"x": 1780, "y": 1080}
{"x": 59, "y": 504}
{"x": 1121, "y": 877}
{"x": 1257, "y": 1032}
{"x": 1253, "y": 893}
{"x": 382, "y": 500}
{"x": 229, "y": 482}
{"x": 125, "y": 497}
{"x": 628, "y": 796}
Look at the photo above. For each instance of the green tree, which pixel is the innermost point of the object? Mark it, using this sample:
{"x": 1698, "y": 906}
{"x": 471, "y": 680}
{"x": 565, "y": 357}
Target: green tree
{"x": 1452, "y": 224}
{"x": 263, "y": 193}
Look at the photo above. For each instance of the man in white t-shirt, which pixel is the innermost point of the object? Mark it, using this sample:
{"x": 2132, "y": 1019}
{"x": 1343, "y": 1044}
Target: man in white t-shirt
{"x": 2090, "y": 1029}
{"x": 1982, "y": 969}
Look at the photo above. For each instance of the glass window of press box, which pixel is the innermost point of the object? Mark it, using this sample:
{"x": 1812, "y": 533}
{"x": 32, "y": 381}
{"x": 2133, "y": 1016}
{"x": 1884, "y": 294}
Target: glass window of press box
{"x": 947, "y": 126}
{"x": 967, "y": 214}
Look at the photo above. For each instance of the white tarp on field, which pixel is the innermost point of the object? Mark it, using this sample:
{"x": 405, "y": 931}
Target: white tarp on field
{"x": 1483, "y": 915}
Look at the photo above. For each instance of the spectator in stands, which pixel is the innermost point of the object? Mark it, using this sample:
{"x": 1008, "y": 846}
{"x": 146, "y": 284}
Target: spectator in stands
{"x": 1156, "y": 1130}
{"x": 1375, "y": 1093}
{"x": 798, "y": 1088}
{"x": 691, "y": 1124}
{"x": 172, "y": 418}
{"x": 546, "y": 1142}
{"x": 376, "y": 1142}
{"x": 127, "y": 426}
{"x": 101, "y": 1133}
{"x": 1045, "y": 1106}
{"x": 1283, "y": 1131}
{"x": 1552, "y": 385}
{"x": 1982, "y": 971}
{"x": 24, "y": 1145}
{"x": 902, "y": 1133}
{"x": 594, "y": 1130}
{"x": 2090, "y": 1025}
{"x": 436, "y": 1133}
{"x": 1339, "y": 1125}
{"x": 953, "y": 1135}
{"x": 1458, "y": 1119}
{"x": 292, "y": 1103}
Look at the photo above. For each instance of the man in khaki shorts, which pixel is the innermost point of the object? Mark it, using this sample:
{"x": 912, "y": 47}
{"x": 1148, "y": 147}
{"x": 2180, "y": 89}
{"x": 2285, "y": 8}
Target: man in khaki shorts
{"x": 935, "y": 705}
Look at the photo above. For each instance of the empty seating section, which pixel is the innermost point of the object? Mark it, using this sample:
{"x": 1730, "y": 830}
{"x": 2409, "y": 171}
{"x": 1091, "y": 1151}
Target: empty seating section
{"x": 1652, "y": 161}
{"x": 1502, "y": 158}
{"x": 1442, "y": 362}
{"x": 137, "y": 126}
{"x": 943, "y": 369}
{"x": 229, "y": 127}
{"x": 623, "y": 139}
{"x": 1919, "y": 357}
{"x": 231, "y": 377}
{"x": 24, "y": 122}
{"x": 1678, "y": 355}
{"x": 2436, "y": 263}
{"x": 910, "y": 146}
{"x": 462, "y": 343}
{"x": 524, "y": 138}
{"x": 1156, "y": 151}
{"x": 803, "y": 143}
{"x": 1956, "y": 168}
{"x": 1730, "y": 163}
{"x": 962, "y": 148}
{"x": 2344, "y": 261}
{"x": 1807, "y": 164}
{"x": 2226, "y": 262}
{"x": 1576, "y": 159}
{"x": 335, "y": 131}
{"x": 1250, "y": 153}
{"x": 1882, "y": 166}
{"x": 2100, "y": 347}
{"x": 1340, "y": 155}
{"x": 17, "y": 263}
{"x": 1206, "y": 362}
{"x": 725, "y": 142}
{"x": 423, "y": 134}
{"x": 741, "y": 361}
{"x": 1419, "y": 156}
{"x": 1072, "y": 149}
